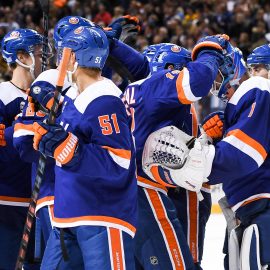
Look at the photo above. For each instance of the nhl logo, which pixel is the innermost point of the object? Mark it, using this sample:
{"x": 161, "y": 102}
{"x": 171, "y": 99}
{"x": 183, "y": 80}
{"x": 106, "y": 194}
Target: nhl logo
{"x": 175, "y": 48}
{"x": 154, "y": 260}
{"x": 36, "y": 90}
{"x": 78, "y": 30}
{"x": 14, "y": 34}
{"x": 73, "y": 20}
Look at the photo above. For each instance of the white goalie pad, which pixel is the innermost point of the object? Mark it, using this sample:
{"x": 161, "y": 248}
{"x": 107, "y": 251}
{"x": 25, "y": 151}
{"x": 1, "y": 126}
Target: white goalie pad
{"x": 235, "y": 238}
{"x": 250, "y": 249}
{"x": 167, "y": 147}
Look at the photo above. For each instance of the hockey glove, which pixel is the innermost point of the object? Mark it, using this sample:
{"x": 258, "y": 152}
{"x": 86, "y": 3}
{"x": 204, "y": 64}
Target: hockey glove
{"x": 216, "y": 43}
{"x": 129, "y": 26}
{"x": 2, "y": 135}
{"x": 55, "y": 142}
{"x": 43, "y": 95}
{"x": 196, "y": 169}
{"x": 213, "y": 125}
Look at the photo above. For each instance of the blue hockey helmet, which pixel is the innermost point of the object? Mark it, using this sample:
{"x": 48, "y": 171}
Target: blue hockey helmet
{"x": 260, "y": 55}
{"x": 67, "y": 24}
{"x": 19, "y": 40}
{"x": 170, "y": 54}
{"x": 151, "y": 50}
{"x": 231, "y": 71}
{"x": 90, "y": 46}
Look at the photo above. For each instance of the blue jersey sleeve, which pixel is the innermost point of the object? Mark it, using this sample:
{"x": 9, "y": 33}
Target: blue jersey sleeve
{"x": 246, "y": 143}
{"x": 135, "y": 62}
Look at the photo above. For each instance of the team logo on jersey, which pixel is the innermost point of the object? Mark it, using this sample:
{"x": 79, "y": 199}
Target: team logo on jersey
{"x": 175, "y": 48}
{"x": 36, "y": 90}
{"x": 15, "y": 34}
{"x": 78, "y": 30}
{"x": 154, "y": 260}
{"x": 73, "y": 20}
{"x": 22, "y": 105}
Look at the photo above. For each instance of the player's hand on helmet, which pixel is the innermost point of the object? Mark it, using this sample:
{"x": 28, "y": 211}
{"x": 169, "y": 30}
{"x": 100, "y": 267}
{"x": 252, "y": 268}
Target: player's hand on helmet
{"x": 216, "y": 43}
{"x": 2, "y": 135}
{"x": 123, "y": 28}
{"x": 55, "y": 142}
{"x": 197, "y": 167}
{"x": 213, "y": 125}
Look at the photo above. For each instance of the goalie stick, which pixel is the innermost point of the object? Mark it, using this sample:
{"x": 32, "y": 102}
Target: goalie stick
{"x": 42, "y": 162}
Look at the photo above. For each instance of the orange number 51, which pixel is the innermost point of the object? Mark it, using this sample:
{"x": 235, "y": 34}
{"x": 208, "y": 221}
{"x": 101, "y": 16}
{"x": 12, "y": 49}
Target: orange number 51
{"x": 105, "y": 124}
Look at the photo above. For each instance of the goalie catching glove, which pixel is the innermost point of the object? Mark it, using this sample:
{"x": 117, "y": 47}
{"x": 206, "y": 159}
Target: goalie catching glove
{"x": 55, "y": 142}
{"x": 167, "y": 159}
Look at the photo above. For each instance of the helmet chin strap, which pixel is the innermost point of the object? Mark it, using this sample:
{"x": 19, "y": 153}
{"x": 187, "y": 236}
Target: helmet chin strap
{"x": 69, "y": 73}
{"x": 30, "y": 67}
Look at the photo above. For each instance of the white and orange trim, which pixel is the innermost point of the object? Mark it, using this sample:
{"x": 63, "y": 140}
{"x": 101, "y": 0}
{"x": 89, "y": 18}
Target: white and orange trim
{"x": 95, "y": 221}
{"x": 23, "y": 130}
{"x": 251, "y": 199}
{"x": 247, "y": 145}
{"x": 116, "y": 247}
{"x": 145, "y": 183}
{"x": 184, "y": 92}
{"x": 45, "y": 201}
{"x": 120, "y": 156}
{"x": 167, "y": 229}
{"x": 14, "y": 201}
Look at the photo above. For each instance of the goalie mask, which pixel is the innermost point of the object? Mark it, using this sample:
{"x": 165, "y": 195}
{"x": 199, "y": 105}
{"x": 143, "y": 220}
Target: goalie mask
{"x": 165, "y": 149}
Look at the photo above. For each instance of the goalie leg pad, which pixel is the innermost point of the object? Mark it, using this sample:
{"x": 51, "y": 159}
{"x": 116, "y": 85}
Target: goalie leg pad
{"x": 234, "y": 248}
{"x": 250, "y": 249}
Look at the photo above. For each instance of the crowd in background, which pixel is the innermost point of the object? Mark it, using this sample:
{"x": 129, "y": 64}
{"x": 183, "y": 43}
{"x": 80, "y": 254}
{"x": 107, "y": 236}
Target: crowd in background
{"x": 182, "y": 22}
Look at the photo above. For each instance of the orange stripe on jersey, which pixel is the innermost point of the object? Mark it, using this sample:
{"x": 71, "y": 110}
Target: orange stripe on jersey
{"x": 119, "y": 152}
{"x": 203, "y": 45}
{"x": 116, "y": 252}
{"x": 150, "y": 183}
{"x": 14, "y": 199}
{"x": 45, "y": 199}
{"x": 23, "y": 126}
{"x": 194, "y": 120}
{"x": 180, "y": 90}
{"x": 253, "y": 200}
{"x": 193, "y": 224}
{"x": 167, "y": 229}
{"x": 239, "y": 134}
{"x": 155, "y": 173}
{"x": 96, "y": 218}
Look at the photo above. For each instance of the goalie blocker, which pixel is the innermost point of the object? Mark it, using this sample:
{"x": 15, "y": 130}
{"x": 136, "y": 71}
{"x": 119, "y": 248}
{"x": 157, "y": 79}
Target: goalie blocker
{"x": 168, "y": 160}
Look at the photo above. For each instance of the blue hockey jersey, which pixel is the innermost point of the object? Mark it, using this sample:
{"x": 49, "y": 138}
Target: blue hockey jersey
{"x": 100, "y": 189}
{"x": 15, "y": 179}
{"x": 23, "y": 137}
{"x": 161, "y": 100}
{"x": 241, "y": 160}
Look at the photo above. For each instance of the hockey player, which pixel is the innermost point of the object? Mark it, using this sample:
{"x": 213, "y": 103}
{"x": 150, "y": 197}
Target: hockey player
{"x": 22, "y": 51}
{"x": 39, "y": 104}
{"x": 241, "y": 160}
{"x": 156, "y": 102}
{"x": 95, "y": 190}
{"x": 192, "y": 213}
{"x": 259, "y": 61}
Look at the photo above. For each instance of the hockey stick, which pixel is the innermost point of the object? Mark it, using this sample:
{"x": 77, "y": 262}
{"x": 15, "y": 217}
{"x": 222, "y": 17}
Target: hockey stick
{"x": 42, "y": 162}
{"x": 45, "y": 4}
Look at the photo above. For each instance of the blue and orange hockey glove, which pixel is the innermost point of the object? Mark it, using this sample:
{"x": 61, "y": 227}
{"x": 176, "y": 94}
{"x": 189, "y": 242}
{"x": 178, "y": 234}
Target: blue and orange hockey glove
{"x": 217, "y": 43}
{"x": 213, "y": 125}
{"x": 2, "y": 135}
{"x": 55, "y": 142}
{"x": 42, "y": 93}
